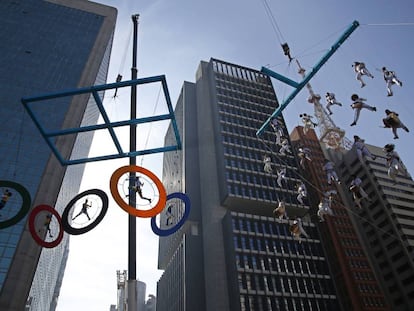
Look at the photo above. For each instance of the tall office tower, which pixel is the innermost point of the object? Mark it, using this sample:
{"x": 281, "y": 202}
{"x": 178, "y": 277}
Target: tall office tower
{"x": 46, "y": 46}
{"x": 232, "y": 253}
{"x": 386, "y": 224}
{"x": 356, "y": 283}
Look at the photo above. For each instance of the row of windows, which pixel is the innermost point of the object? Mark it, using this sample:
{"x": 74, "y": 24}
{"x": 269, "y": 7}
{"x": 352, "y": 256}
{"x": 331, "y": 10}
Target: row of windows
{"x": 273, "y": 228}
{"x": 224, "y": 69}
{"x": 245, "y": 105}
{"x": 276, "y": 284}
{"x": 254, "y": 166}
{"x": 248, "y": 88}
{"x": 281, "y": 265}
{"x": 263, "y": 303}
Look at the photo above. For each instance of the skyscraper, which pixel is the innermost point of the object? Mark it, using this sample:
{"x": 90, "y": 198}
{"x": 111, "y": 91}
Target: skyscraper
{"x": 46, "y": 46}
{"x": 385, "y": 224}
{"x": 232, "y": 254}
{"x": 358, "y": 287}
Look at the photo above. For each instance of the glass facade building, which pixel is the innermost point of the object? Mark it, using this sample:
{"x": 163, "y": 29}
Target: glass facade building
{"x": 46, "y": 46}
{"x": 232, "y": 254}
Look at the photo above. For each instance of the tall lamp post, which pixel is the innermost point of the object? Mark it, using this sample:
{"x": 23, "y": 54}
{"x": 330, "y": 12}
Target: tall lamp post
{"x": 132, "y": 224}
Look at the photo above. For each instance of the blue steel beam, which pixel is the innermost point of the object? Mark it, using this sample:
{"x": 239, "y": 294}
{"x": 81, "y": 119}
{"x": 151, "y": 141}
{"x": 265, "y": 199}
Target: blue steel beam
{"x": 47, "y": 135}
{"x": 306, "y": 79}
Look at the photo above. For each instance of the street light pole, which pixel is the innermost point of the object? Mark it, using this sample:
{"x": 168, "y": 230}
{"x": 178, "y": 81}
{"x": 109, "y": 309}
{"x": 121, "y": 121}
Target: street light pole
{"x": 132, "y": 225}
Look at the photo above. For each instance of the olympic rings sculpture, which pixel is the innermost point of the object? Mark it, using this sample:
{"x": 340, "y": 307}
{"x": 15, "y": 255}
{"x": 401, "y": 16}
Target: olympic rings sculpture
{"x": 65, "y": 225}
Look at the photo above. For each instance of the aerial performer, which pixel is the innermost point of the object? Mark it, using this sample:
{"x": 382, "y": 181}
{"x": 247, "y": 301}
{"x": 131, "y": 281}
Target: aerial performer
{"x": 137, "y": 187}
{"x": 361, "y": 149}
{"x": 360, "y": 71}
{"x": 280, "y": 210}
{"x": 393, "y": 121}
{"x": 5, "y": 198}
{"x": 304, "y": 155}
{"x": 286, "y": 51}
{"x": 307, "y": 122}
{"x": 358, "y": 193}
{"x": 358, "y": 104}
{"x": 394, "y": 162}
{"x": 302, "y": 192}
{"x": 84, "y": 210}
{"x": 297, "y": 230}
{"x": 46, "y": 224}
{"x": 390, "y": 79}
{"x": 170, "y": 215}
{"x": 267, "y": 164}
{"x": 277, "y": 127}
{"x": 329, "y": 168}
{"x": 281, "y": 175}
{"x": 324, "y": 207}
{"x": 285, "y": 147}
{"x": 330, "y": 101}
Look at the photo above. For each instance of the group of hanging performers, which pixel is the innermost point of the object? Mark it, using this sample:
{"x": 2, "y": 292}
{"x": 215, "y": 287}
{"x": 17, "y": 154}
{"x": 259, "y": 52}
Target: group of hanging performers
{"x": 394, "y": 164}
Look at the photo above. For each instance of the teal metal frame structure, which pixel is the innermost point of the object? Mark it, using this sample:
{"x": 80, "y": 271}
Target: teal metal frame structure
{"x": 49, "y": 136}
{"x": 299, "y": 85}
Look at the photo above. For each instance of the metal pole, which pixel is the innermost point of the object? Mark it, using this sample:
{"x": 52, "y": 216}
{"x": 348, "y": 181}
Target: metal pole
{"x": 132, "y": 225}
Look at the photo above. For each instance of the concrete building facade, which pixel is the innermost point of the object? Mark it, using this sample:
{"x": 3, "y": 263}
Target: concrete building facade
{"x": 47, "y": 46}
{"x": 232, "y": 254}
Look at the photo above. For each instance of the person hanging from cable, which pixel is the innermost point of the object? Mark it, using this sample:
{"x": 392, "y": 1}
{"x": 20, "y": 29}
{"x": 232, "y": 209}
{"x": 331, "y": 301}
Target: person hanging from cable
{"x": 170, "y": 216}
{"x": 361, "y": 70}
{"x": 358, "y": 104}
{"x": 331, "y": 100}
{"x": 277, "y": 127}
{"x": 394, "y": 163}
{"x": 281, "y": 175}
{"x": 46, "y": 224}
{"x": 302, "y": 192}
{"x": 324, "y": 207}
{"x": 361, "y": 149}
{"x": 137, "y": 187}
{"x": 286, "y": 51}
{"x": 358, "y": 193}
{"x": 280, "y": 210}
{"x": 118, "y": 79}
{"x": 390, "y": 79}
{"x": 393, "y": 121}
{"x": 307, "y": 122}
{"x": 5, "y": 198}
{"x": 304, "y": 155}
{"x": 84, "y": 210}
{"x": 296, "y": 229}
{"x": 267, "y": 164}
{"x": 329, "y": 168}
{"x": 285, "y": 147}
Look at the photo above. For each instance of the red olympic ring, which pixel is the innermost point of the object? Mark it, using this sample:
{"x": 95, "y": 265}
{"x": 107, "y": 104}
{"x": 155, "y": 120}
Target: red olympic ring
{"x": 32, "y": 228}
{"x": 128, "y": 208}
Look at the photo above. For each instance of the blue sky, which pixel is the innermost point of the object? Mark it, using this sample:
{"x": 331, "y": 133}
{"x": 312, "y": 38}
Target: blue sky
{"x": 174, "y": 36}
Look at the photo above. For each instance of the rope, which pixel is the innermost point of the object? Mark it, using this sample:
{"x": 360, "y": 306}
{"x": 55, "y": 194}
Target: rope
{"x": 322, "y": 193}
{"x": 273, "y": 22}
{"x": 150, "y": 128}
{"x": 390, "y": 24}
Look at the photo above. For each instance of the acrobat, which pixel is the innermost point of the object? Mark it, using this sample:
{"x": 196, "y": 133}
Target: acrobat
{"x": 170, "y": 216}
{"x": 46, "y": 224}
{"x": 361, "y": 149}
{"x": 394, "y": 163}
{"x": 5, "y": 198}
{"x": 358, "y": 193}
{"x": 267, "y": 164}
{"x": 296, "y": 229}
{"x": 137, "y": 187}
{"x": 302, "y": 192}
{"x": 84, "y": 210}
{"x": 304, "y": 155}
{"x": 307, "y": 122}
{"x": 393, "y": 121}
{"x": 281, "y": 175}
{"x": 330, "y": 101}
{"x": 324, "y": 207}
{"x": 280, "y": 210}
{"x": 390, "y": 79}
{"x": 358, "y": 105}
{"x": 361, "y": 70}
{"x": 285, "y": 147}
{"x": 277, "y": 127}
{"x": 329, "y": 168}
